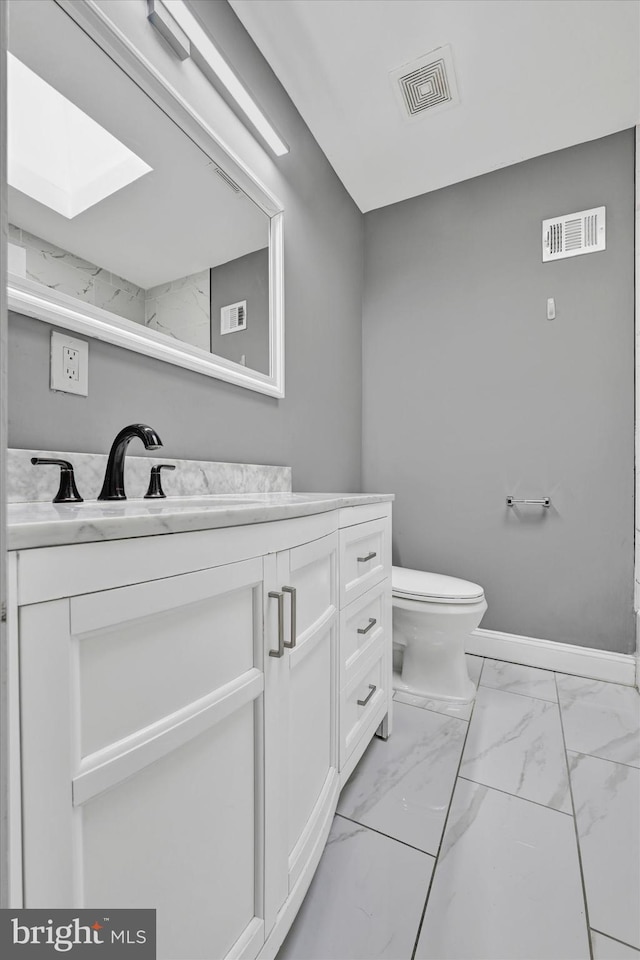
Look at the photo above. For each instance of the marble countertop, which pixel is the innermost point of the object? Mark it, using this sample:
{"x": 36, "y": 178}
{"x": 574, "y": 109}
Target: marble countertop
{"x": 51, "y": 524}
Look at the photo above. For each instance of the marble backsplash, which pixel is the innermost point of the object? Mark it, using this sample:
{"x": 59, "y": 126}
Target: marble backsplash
{"x": 191, "y": 478}
{"x": 180, "y": 308}
{"x": 57, "y": 268}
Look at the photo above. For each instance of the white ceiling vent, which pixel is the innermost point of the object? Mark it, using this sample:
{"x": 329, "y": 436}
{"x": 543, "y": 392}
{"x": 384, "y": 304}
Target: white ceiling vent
{"x": 233, "y": 317}
{"x": 574, "y": 234}
{"x": 427, "y": 84}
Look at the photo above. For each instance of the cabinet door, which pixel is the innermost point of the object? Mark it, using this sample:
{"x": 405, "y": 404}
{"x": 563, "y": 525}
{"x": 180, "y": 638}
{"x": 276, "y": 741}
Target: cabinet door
{"x": 301, "y": 705}
{"x": 143, "y": 756}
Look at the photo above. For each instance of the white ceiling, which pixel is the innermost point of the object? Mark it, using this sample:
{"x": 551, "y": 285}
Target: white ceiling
{"x": 533, "y": 76}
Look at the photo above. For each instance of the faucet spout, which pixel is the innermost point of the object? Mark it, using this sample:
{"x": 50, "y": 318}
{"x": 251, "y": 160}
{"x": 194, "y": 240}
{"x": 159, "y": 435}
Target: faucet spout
{"x": 113, "y": 486}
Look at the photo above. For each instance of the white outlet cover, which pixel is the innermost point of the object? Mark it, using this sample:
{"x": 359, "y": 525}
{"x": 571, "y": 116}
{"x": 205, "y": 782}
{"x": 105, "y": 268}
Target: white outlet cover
{"x": 59, "y": 380}
{"x": 16, "y": 260}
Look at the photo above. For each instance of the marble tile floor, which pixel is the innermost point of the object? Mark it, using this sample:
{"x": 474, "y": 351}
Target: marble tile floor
{"x": 508, "y": 830}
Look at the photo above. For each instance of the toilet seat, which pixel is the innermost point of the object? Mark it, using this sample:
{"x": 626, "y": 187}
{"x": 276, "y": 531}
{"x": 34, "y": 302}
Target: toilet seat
{"x": 423, "y": 587}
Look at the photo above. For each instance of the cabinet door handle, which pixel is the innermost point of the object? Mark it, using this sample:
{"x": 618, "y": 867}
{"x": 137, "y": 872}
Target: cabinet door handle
{"x": 372, "y": 623}
{"x": 369, "y": 556}
{"x": 294, "y": 629}
{"x": 276, "y": 595}
{"x": 372, "y": 690}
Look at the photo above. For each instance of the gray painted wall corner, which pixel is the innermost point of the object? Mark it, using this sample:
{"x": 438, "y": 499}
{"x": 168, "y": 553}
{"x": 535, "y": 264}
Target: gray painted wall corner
{"x": 470, "y": 394}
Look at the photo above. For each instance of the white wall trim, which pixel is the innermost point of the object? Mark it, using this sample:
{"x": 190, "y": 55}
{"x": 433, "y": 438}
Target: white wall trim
{"x": 8, "y": 877}
{"x": 637, "y": 407}
{"x": 549, "y": 655}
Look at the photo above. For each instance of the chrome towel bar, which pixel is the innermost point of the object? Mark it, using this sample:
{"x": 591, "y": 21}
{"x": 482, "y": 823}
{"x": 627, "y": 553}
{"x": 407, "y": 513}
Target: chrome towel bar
{"x": 545, "y": 502}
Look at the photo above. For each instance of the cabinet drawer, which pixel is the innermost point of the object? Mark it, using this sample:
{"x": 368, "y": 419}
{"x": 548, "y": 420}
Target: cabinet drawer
{"x": 365, "y": 558}
{"x": 354, "y": 715}
{"x": 364, "y": 625}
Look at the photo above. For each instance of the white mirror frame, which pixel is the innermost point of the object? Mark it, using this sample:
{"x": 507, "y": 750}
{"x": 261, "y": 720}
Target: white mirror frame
{"x": 33, "y": 300}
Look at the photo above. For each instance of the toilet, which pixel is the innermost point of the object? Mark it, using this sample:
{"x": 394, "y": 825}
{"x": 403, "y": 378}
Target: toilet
{"x": 432, "y": 617}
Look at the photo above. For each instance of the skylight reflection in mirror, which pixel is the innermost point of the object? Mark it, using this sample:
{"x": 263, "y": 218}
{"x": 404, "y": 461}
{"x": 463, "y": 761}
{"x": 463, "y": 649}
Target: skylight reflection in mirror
{"x": 167, "y": 250}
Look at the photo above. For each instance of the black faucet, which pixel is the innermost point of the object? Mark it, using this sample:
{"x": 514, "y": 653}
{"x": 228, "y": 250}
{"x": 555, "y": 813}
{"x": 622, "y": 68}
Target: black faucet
{"x": 113, "y": 486}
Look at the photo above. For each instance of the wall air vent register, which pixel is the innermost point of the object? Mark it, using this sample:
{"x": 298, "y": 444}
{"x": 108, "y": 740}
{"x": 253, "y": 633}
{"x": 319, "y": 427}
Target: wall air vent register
{"x": 233, "y": 317}
{"x": 574, "y": 234}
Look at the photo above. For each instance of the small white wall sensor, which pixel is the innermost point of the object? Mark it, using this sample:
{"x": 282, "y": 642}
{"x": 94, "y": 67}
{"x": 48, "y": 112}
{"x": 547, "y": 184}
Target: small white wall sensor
{"x": 551, "y": 309}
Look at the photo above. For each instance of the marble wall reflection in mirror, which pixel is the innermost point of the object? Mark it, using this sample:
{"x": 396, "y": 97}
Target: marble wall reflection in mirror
{"x": 112, "y": 203}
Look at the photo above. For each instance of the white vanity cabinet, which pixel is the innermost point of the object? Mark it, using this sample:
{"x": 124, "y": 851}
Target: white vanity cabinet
{"x": 142, "y": 751}
{"x": 188, "y": 713}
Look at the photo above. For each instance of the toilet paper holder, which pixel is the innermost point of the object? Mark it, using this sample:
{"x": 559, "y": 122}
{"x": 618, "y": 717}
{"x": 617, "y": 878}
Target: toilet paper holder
{"x": 544, "y": 502}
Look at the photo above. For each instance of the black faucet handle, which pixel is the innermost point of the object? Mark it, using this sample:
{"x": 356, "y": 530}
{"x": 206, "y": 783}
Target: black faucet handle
{"x": 67, "y": 491}
{"x": 155, "y": 483}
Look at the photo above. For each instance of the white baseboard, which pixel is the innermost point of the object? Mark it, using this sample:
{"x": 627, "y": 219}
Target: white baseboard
{"x": 562, "y": 657}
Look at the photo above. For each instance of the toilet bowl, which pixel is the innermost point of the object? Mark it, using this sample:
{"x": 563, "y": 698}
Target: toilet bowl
{"x": 432, "y": 617}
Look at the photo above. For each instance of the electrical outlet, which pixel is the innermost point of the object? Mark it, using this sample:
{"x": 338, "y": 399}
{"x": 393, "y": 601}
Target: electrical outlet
{"x": 69, "y": 364}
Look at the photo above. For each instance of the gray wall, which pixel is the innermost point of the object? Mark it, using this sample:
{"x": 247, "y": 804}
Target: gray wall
{"x": 317, "y": 427}
{"x": 470, "y": 394}
{"x": 245, "y": 278}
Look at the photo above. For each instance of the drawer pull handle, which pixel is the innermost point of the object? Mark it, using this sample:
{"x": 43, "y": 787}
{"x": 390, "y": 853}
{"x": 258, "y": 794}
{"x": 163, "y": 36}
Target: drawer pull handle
{"x": 372, "y": 623}
{"x": 276, "y": 595}
{"x": 372, "y": 690}
{"x": 294, "y": 629}
{"x": 369, "y": 556}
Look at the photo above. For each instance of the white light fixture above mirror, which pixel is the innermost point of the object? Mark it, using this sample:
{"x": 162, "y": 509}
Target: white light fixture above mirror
{"x": 205, "y": 54}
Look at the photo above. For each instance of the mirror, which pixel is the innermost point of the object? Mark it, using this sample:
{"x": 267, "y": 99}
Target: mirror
{"x": 121, "y": 224}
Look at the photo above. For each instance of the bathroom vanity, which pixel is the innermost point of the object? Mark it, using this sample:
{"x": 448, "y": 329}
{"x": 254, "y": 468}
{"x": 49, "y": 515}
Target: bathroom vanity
{"x": 191, "y": 680}
{"x": 197, "y": 680}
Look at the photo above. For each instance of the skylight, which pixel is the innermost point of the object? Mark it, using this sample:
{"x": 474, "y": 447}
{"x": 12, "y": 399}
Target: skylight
{"x": 57, "y": 154}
